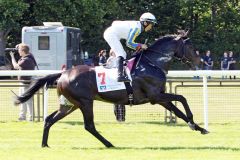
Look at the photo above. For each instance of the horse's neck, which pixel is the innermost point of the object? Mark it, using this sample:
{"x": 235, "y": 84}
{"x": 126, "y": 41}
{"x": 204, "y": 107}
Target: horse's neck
{"x": 145, "y": 67}
{"x": 158, "y": 56}
{"x": 161, "y": 60}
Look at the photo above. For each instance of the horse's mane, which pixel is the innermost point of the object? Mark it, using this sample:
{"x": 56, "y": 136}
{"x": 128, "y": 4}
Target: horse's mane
{"x": 166, "y": 38}
{"x": 157, "y": 42}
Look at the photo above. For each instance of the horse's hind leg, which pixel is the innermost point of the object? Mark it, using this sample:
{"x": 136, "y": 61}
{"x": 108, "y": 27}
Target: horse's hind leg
{"x": 63, "y": 111}
{"x": 87, "y": 110}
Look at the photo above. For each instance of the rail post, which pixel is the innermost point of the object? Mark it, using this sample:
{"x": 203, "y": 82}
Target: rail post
{"x": 45, "y": 102}
{"x": 205, "y": 101}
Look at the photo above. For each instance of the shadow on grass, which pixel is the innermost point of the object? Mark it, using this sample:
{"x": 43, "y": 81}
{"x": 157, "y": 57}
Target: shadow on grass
{"x": 73, "y": 123}
{"x": 163, "y": 148}
{"x": 128, "y": 123}
{"x": 3, "y": 122}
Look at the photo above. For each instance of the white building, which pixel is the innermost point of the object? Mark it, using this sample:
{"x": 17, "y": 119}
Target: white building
{"x": 53, "y": 45}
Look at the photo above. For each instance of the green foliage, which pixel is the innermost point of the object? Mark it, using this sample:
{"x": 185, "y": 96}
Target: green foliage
{"x": 213, "y": 25}
{"x": 11, "y": 12}
{"x": 89, "y": 15}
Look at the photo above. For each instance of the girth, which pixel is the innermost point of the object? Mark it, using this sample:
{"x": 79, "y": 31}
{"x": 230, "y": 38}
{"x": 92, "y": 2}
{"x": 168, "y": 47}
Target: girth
{"x": 129, "y": 92}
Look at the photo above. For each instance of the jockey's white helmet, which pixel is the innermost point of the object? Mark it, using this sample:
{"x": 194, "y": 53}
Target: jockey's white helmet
{"x": 149, "y": 17}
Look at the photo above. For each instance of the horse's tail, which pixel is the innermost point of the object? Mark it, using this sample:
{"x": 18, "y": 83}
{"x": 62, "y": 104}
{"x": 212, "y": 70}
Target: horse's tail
{"x": 35, "y": 86}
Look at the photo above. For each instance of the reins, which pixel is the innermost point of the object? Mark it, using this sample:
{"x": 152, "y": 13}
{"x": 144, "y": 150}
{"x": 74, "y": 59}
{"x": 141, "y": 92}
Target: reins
{"x": 146, "y": 40}
{"x": 182, "y": 59}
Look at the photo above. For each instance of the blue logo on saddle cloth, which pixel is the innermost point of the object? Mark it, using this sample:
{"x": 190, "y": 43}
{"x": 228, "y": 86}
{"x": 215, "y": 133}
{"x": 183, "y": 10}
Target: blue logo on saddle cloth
{"x": 103, "y": 88}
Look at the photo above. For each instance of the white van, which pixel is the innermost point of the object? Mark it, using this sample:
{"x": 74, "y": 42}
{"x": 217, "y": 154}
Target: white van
{"x": 53, "y": 45}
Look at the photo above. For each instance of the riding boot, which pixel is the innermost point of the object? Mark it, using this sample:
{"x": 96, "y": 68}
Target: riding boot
{"x": 121, "y": 76}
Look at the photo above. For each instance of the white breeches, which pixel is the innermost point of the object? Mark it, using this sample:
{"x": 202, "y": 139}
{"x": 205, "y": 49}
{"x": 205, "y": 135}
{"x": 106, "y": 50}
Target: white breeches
{"x": 27, "y": 106}
{"x": 114, "y": 42}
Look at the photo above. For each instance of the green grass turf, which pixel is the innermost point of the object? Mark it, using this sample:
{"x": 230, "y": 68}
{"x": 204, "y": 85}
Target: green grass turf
{"x": 143, "y": 136}
{"x": 140, "y": 141}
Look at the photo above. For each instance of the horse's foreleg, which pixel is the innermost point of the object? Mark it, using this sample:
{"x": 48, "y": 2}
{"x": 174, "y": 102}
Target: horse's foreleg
{"x": 53, "y": 118}
{"x": 171, "y": 107}
{"x": 87, "y": 111}
{"x": 166, "y": 97}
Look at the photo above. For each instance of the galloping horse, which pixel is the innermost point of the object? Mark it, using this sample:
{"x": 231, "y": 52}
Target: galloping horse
{"x": 79, "y": 86}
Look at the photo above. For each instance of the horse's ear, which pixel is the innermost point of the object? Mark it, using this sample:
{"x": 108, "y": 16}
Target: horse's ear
{"x": 185, "y": 40}
{"x": 182, "y": 33}
{"x": 187, "y": 33}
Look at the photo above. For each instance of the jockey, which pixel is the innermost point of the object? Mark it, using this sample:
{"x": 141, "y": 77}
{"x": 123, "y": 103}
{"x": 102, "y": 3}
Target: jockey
{"x": 127, "y": 30}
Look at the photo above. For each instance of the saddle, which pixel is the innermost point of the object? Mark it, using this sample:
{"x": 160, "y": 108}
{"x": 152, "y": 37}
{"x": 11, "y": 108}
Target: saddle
{"x": 133, "y": 61}
{"x": 130, "y": 63}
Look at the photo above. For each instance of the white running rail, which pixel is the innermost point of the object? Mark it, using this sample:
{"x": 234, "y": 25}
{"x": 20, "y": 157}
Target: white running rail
{"x": 201, "y": 73}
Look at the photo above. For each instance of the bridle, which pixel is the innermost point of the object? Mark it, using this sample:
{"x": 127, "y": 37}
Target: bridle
{"x": 182, "y": 59}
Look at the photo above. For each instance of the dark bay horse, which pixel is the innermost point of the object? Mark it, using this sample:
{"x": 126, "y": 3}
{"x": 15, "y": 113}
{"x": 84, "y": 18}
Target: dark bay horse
{"x": 79, "y": 86}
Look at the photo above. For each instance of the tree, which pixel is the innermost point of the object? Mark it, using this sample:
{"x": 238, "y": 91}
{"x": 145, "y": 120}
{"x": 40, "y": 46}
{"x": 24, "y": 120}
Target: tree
{"x": 11, "y": 12}
{"x": 88, "y": 15}
{"x": 213, "y": 24}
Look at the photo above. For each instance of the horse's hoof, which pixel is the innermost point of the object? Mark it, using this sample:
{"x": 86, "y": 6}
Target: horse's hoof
{"x": 112, "y": 146}
{"x": 192, "y": 126}
{"x": 109, "y": 145}
{"x": 204, "y": 131}
{"x": 45, "y": 146}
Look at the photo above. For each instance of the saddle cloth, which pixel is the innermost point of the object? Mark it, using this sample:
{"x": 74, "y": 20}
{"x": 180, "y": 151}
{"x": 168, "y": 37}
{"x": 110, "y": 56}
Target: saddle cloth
{"x": 107, "y": 79}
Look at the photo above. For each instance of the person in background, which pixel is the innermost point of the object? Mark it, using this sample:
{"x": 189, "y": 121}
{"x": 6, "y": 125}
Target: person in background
{"x": 119, "y": 109}
{"x": 26, "y": 62}
{"x": 224, "y": 63}
{"x": 95, "y": 60}
{"x": 198, "y": 67}
{"x": 208, "y": 62}
{"x": 128, "y": 30}
{"x": 112, "y": 60}
{"x": 232, "y": 63}
{"x": 102, "y": 58}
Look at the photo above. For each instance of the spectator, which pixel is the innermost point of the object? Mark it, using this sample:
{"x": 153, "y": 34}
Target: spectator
{"x": 102, "y": 58}
{"x": 88, "y": 61}
{"x": 119, "y": 109}
{"x": 95, "y": 60}
{"x": 198, "y": 67}
{"x": 232, "y": 63}
{"x": 208, "y": 62}
{"x": 224, "y": 63}
{"x": 26, "y": 62}
{"x": 112, "y": 60}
